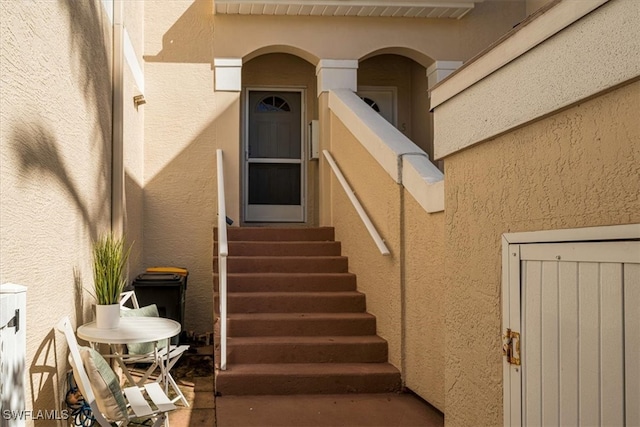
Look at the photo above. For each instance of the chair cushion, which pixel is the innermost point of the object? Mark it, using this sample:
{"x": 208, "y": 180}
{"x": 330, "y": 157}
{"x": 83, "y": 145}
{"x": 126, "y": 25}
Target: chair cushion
{"x": 146, "y": 311}
{"x": 105, "y": 384}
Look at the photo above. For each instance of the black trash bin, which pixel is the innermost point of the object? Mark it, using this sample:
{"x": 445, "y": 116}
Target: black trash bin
{"x": 166, "y": 290}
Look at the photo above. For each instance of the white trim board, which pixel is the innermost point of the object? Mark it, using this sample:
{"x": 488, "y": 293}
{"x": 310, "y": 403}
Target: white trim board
{"x": 574, "y": 65}
{"x": 601, "y": 233}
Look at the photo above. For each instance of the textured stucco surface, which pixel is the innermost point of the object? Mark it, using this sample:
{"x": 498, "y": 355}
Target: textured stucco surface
{"x": 180, "y": 146}
{"x": 133, "y": 140}
{"x": 356, "y": 38}
{"x": 55, "y": 183}
{"x": 407, "y": 299}
{"x": 424, "y": 297}
{"x": 594, "y": 54}
{"x": 577, "y": 168}
{"x": 378, "y": 276}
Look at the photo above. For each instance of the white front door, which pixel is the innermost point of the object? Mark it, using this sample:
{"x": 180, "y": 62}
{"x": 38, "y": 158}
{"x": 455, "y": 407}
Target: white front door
{"x": 382, "y": 99}
{"x": 274, "y": 157}
{"x": 576, "y": 307}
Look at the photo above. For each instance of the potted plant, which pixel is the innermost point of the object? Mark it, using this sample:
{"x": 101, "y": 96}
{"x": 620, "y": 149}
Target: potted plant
{"x": 109, "y": 267}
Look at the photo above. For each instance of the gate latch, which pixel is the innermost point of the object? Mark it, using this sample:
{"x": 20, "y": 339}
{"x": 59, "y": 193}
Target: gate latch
{"x": 511, "y": 347}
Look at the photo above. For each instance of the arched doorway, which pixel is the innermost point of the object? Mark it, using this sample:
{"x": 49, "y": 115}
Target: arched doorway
{"x": 279, "y": 100}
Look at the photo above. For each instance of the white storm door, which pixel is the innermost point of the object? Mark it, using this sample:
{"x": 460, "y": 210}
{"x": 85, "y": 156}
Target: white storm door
{"x": 274, "y": 166}
{"x": 580, "y": 334}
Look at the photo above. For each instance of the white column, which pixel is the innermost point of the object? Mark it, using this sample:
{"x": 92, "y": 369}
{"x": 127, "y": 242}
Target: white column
{"x": 228, "y": 74}
{"x": 439, "y": 70}
{"x": 337, "y": 74}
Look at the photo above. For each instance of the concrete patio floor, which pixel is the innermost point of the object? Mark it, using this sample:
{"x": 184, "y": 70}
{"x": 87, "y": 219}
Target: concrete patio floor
{"x": 344, "y": 410}
{"x": 194, "y": 375}
{"x": 348, "y": 410}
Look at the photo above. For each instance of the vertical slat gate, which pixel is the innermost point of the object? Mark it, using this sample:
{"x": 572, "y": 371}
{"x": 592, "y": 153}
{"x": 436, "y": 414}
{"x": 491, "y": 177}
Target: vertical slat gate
{"x": 632, "y": 343}
{"x": 580, "y": 334}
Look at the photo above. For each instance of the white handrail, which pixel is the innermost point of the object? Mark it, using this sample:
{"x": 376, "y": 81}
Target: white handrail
{"x": 356, "y": 204}
{"x": 223, "y": 251}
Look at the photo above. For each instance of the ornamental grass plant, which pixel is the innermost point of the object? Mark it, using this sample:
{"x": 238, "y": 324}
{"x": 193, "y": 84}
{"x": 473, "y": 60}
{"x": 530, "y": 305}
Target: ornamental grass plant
{"x": 110, "y": 259}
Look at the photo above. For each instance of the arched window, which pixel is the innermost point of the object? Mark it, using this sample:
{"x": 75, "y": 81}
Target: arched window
{"x": 371, "y": 103}
{"x": 273, "y": 104}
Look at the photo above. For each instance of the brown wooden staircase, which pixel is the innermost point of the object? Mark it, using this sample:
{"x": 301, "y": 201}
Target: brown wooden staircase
{"x": 296, "y": 323}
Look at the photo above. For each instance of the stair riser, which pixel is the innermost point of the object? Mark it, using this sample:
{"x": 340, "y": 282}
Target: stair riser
{"x": 290, "y": 282}
{"x": 308, "y": 353}
{"x": 240, "y": 303}
{"x": 286, "y": 265}
{"x": 277, "y": 234}
{"x": 301, "y": 327}
{"x": 283, "y": 248}
{"x": 326, "y": 384}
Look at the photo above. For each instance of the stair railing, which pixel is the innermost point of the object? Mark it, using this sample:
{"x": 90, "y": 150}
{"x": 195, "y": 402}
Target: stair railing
{"x": 223, "y": 251}
{"x": 356, "y": 204}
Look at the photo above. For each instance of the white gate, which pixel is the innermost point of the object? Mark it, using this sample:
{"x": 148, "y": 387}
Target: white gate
{"x": 572, "y": 331}
{"x": 13, "y": 342}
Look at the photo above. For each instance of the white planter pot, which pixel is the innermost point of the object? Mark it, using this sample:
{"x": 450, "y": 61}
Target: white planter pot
{"x": 107, "y": 316}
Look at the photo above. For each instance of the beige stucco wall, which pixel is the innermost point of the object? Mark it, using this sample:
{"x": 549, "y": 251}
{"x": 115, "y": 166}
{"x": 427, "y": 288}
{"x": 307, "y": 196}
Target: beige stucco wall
{"x": 181, "y": 137}
{"x": 55, "y": 183}
{"x": 406, "y": 290}
{"x": 133, "y": 139}
{"x": 378, "y": 276}
{"x": 576, "y": 168}
{"x": 354, "y": 38}
{"x": 424, "y": 296}
{"x": 410, "y": 80}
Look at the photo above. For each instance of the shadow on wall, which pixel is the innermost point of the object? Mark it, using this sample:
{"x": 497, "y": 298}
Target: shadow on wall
{"x": 91, "y": 57}
{"x": 178, "y": 45}
{"x": 41, "y": 159}
{"x": 180, "y": 213}
{"x": 43, "y": 375}
{"x": 39, "y": 156}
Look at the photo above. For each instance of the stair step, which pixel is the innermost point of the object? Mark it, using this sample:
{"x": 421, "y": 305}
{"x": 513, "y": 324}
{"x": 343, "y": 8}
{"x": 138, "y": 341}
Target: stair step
{"x": 312, "y": 378}
{"x": 296, "y": 302}
{"x": 278, "y": 233}
{"x": 301, "y": 324}
{"x": 289, "y": 282}
{"x": 336, "y": 349}
{"x": 290, "y": 248}
{"x": 286, "y": 264}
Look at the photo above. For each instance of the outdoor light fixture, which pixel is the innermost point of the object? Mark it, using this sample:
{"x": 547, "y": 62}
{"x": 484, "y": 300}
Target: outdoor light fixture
{"x": 139, "y": 100}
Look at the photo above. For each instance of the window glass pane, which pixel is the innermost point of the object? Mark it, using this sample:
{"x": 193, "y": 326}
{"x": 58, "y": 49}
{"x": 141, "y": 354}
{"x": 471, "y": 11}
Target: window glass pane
{"x": 273, "y": 104}
{"x": 274, "y": 184}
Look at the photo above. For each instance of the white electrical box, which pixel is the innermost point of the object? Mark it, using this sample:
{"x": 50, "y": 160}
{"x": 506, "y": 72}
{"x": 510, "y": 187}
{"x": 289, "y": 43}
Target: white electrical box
{"x": 314, "y": 140}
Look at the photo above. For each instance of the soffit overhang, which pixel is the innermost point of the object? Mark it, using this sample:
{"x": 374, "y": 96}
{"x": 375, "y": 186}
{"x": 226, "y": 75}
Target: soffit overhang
{"x": 447, "y": 9}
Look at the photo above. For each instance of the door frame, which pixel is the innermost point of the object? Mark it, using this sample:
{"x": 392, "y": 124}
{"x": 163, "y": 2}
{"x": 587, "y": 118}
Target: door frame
{"x": 244, "y": 152}
{"x": 512, "y": 243}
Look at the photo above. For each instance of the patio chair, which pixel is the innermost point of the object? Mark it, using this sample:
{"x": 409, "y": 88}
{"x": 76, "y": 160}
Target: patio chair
{"x": 145, "y": 353}
{"x": 100, "y": 388}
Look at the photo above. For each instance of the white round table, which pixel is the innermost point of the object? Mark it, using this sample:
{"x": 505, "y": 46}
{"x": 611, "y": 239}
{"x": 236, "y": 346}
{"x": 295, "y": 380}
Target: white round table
{"x": 135, "y": 330}
{"x": 131, "y": 330}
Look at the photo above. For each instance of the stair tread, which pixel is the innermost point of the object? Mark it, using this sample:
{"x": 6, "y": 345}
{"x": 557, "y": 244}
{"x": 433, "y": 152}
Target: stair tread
{"x": 293, "y": 274}
{"x": 286, "y": 242}
{"x": 287, "y": 257}
{"x": 337, "y": 339}
{"x": 311, "y": 369}
{"x": 279, "y": 233}
{"x": 288, "y": 316}
{"x": 295, "y": 294}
